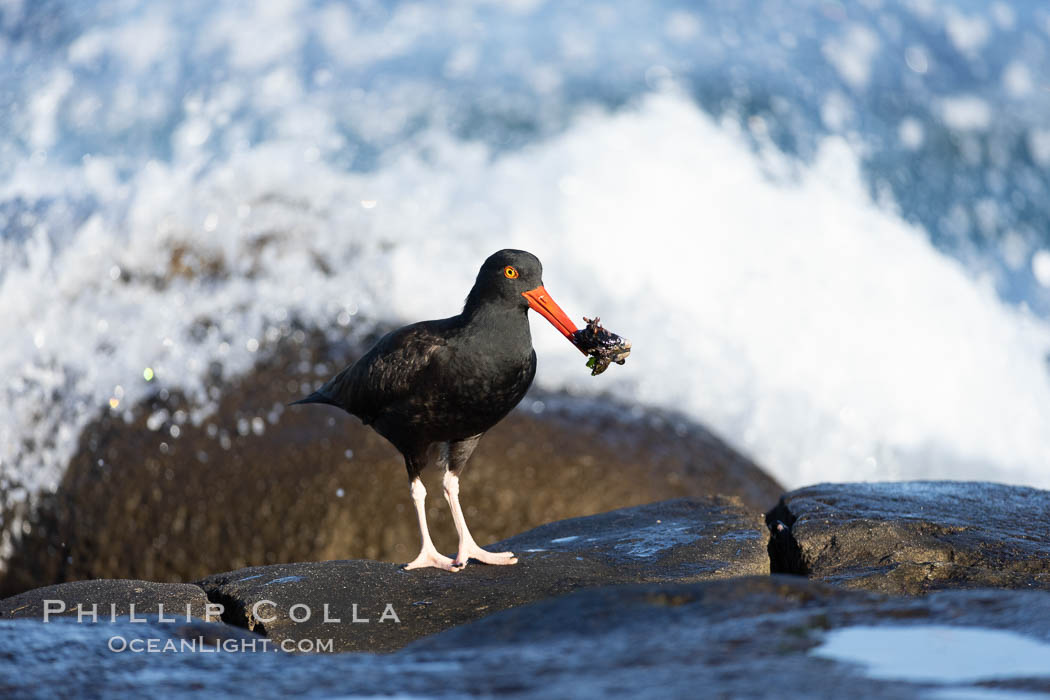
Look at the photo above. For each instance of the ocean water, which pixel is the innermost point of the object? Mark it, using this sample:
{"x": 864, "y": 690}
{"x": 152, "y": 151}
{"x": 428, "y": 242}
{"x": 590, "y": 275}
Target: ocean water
{"x": 824, "y": 226}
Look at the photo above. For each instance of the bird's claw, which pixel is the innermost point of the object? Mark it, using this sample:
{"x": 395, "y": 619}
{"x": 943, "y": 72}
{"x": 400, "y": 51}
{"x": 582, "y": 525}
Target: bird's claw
{"x": 431, "y": 559}
{"x": 485, "y": 557}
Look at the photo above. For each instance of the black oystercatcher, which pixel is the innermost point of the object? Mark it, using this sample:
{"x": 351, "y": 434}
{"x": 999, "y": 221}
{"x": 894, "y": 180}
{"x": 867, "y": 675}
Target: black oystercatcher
{"x": 448, "y": 381}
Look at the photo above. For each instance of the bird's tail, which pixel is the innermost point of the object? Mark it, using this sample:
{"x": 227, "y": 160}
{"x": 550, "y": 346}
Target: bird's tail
{"x": 316, "y": 397}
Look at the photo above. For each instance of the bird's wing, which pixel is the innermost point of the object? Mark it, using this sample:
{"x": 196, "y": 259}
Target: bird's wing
{"x": 389, "y": 372}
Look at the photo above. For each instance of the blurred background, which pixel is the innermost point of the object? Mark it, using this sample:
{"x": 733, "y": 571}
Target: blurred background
{"x": 825, "y": 226}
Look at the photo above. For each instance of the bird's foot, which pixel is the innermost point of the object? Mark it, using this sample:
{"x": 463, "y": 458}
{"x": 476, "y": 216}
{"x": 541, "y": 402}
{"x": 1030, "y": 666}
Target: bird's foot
{"x": 432, "y": 559}
{"x": 475, "y": 552}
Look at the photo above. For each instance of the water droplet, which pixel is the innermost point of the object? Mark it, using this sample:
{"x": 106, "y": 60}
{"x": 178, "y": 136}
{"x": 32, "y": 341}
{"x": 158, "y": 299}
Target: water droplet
{"x": 157, "y": 419}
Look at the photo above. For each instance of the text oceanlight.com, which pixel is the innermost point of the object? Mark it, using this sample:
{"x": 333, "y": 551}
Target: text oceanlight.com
{"x": 120, "y": 644}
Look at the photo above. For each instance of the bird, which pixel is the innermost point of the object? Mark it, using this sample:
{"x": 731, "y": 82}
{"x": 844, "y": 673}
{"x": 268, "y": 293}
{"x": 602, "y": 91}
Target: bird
{"x": 447, "y": 382}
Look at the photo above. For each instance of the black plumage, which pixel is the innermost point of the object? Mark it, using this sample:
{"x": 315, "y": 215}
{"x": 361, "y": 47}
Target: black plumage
{"x": 450, "y": 380}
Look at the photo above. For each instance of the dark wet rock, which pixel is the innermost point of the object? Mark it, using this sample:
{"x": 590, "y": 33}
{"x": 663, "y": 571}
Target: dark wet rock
{"x": 95, "y": 659}
{"x": 810, "y": 606}
{"x": 683, "y": 540}
{"x": 109, "y": 598}
{"x": 755, "y": 637}
{"x": 258, "y": 483}
{"x": 915, "y": 537}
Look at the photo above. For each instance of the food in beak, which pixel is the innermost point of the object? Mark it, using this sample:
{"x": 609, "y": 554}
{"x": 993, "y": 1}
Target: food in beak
{"x": 603, "y": 346}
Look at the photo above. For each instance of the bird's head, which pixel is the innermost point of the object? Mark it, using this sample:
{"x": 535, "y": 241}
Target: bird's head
{"x": 515, "y": 278}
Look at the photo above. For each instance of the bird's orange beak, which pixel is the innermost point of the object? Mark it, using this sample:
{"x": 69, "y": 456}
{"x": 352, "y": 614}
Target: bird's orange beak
{"x": 541, "y": 302}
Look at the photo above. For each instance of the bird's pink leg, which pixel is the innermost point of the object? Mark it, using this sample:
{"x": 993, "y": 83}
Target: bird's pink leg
{"x": 468, "y": 548}
{"x": 428, "y": 554}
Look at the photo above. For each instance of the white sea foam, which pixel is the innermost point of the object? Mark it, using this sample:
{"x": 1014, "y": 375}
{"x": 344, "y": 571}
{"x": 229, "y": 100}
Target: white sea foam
{"x": 966, "y": 113}
{"x": 817, "y": 331}
{"x": 774, "y": 302}
{"x": 852, "y": 54}
{"x": 967, "y": 33}
{"x": 95, "y": 314}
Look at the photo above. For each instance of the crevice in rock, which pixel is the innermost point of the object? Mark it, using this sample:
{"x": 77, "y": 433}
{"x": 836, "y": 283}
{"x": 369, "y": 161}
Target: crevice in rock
{"x": 785, "y": 554}
{"x": 234, "y": 611}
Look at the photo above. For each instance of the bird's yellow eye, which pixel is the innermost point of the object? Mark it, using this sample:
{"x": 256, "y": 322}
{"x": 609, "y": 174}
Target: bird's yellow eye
{"x": 510, "y": 272}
